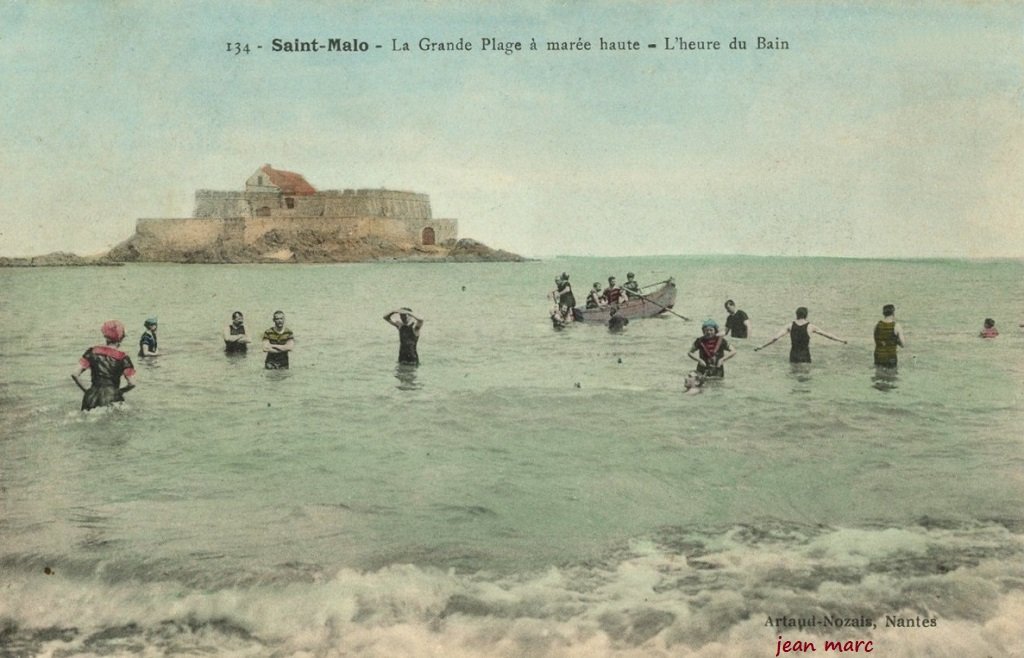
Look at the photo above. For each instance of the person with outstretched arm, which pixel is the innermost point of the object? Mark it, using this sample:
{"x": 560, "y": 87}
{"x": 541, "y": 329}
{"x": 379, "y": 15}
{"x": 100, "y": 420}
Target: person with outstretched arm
{"x": 800, "y": 337}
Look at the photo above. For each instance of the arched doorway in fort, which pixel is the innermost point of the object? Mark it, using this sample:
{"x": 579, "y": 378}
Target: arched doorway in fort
{"x": 428, "y": 236}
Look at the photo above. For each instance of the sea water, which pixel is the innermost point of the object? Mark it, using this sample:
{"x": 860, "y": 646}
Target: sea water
{"x": 524, "y": 491}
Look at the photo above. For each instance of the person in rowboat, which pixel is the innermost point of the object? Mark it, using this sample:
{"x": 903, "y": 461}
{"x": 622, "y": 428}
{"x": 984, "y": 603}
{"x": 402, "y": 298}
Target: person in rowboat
{"x": 631, "y": 287}
{"x": 613, "y": 294}
{"x": 595, "y": 298}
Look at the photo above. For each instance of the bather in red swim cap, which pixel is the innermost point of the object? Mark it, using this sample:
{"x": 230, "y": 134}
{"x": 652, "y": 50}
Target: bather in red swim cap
{"x": 113, "y": 330}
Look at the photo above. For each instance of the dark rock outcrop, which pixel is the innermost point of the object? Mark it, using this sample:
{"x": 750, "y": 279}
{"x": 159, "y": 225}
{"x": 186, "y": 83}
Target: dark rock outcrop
{"x": 307, "y": 246}
{"x": 57, "y": 259}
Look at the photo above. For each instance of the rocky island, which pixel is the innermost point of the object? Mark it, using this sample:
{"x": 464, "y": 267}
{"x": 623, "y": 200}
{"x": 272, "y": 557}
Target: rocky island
{"x": 280, "y": 218}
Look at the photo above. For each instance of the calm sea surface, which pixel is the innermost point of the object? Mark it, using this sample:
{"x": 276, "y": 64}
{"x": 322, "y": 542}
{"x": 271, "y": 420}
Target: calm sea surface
{"x": 524, "y": 492}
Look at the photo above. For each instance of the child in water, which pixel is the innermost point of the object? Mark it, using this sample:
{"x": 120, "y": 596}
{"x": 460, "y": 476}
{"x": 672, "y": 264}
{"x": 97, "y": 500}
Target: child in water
{"x": 989, "y": 330}
{"x": 693, "y": 384}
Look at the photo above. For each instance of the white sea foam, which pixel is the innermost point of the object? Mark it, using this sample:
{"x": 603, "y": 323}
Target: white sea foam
{"x": 678, "y": 594}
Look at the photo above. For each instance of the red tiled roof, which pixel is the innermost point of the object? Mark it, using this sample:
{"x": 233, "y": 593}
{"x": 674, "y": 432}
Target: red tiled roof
{"x": 288, "y": 181}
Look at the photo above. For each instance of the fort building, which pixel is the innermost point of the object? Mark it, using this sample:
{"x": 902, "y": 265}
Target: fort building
{"x": 280, "y": 203}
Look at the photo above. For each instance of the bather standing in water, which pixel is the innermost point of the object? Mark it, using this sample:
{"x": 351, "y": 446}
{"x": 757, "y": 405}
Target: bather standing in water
{"x": 711, "y": 351}
{"x": 408, "y": 326}
{"x": 236, "y": 339}
{"x": 563, "y": 292}
{"x": 107, "y": 364}
{"x": 278, "y": 341}
{"x": 147, "y": 342}
{"x": 888, "y": 336}
{"x": 737, "y": 324}
{"x": 800, "y": 337}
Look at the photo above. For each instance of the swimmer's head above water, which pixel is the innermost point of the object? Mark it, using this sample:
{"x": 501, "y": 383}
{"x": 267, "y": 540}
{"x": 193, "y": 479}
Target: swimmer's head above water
{"x": 693, "y": 380}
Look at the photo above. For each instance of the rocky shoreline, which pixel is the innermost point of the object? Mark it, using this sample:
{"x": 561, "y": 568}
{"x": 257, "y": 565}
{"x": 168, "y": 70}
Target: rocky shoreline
{"x": 274, "y": 248}
{"x": 57, "y": 259}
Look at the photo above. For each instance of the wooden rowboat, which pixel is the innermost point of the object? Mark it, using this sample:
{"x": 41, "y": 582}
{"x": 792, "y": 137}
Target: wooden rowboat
{"x": 649, "y": 305}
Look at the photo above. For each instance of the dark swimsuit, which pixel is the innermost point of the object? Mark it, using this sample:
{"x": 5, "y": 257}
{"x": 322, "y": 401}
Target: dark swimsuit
{"x": 147, "y": 343}
{"x": 800, "y": 352}
{"x": 735, "y": 324}
{"x": 407, "y": 340}
{"x": 234, "y": 347}
{"x": 106, "y": 365}
{"x": 565, "y": 297}
{"x": 711, "y": 349}
{"x": 885, "y": 344}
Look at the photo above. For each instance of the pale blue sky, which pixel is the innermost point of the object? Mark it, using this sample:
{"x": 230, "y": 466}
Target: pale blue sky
{"x": 882, "y": 132}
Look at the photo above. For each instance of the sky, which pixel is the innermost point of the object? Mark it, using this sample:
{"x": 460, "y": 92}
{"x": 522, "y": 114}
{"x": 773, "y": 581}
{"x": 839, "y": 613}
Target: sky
{"x": 883, "y": 131}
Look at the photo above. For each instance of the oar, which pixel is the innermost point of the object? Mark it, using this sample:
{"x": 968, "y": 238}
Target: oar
{"x": 661, "y": 305}
{"x": 651, "y": 285}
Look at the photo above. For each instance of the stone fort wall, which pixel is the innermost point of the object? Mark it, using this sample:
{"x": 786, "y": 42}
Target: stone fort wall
{"x": 242, "y": 218}
{"x": 329, "y": 203}
{"x": 198, "y": 232}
